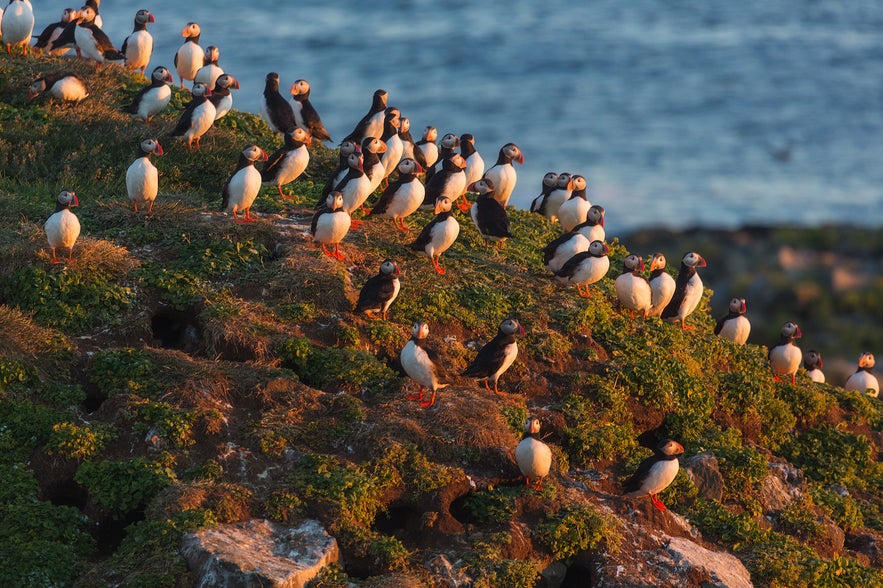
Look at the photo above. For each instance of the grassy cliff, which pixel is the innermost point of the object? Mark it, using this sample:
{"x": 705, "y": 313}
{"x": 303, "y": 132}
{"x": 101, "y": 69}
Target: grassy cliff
{"x": 186, "y": 371}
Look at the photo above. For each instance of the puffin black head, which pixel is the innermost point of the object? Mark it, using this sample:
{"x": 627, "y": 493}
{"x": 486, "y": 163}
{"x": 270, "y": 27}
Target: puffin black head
{"x": 373, "y": 145}
{"x": 212, "y": 54}
{"x": 511, "y": 327}
{"x": 347, "y": 147}
{"x": 66, "y": 199}
{"x": 253, "y": 153}
{"x": 430, "y": 134}
{"x": 272, "y": 81}
{"x": 791, "y": 331}
{"x": 389, "y": 268}
{"x": 404, "y": 125}
{"x": 300, "y": 90}
{"x": 142, "y": 17}
{"x": 354, "y": 161}
{"x": 200, "y": 90}
{"x": 161, "y": 75}
{"x": 442, "y": 204}
{"x": 450, "y": 141}
{"x": 36, "y": 88}
{"x": 738, "y": 306}
{"x": 298, "y": 135}
{"x": 510, "y": 153}
{"x": 550, "y": 180}
{"x": 226, "y": 81}
{"x": 866, "y": 361}
{"x": 334, "y": 201}
{"x": 419, "y": 330}
{"x": 595, "y": 216}
{"x": 669, "y": 448}
{"x": 191, "y": 32}
{"x": 454, "y": 163}
{"x": 598, "y": 248}
{"x": 531, "y": 426}
{"x": 633, "y": 264}
{"x": 483, "y": 187}
{"x": 86, "y": 15}
{"x": 812, "y": 360}
{"x": 379, "y": 100}
{"x": 565, "y": 181}
{"x": 149, "y": 146}
{"x": 657, "y": 263}
{"x": 579, "y": 184}
{"x": 408, "y": 166}
{"x": 68, "y": 15}
{"x": 692, "y": 260}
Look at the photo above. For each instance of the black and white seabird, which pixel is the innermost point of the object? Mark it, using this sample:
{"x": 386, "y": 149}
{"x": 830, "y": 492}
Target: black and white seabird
{"x": 305, "y": 113}
{"x": 447, "y": 148}
{"x": 379, "y": 291}
{"x": 496, "y": 356}
{"x": 330, "y": 225}
{"x": 449, "y": 182}
{"x": 421, "y": 362}
{"x": 153, "y": 98}
{"x": 662, "y": 285}
{"x": 63, "y": 227}
{"x": 197, "y": 118}
{"x": 370, "y": 125}
{"x": 734, "y": 326}
{"x": 243, "y": 186}
{"x": 632, "y": 288}
{"x": 221, "y": 96}
{"x": 190, "y": 56}
{"x": 785, "y": 355}
{"x": 68, "y": 87}
{"x": 812, "y": 363}
{"x": 575, "y": 209}
{"x": 534, "y": 458}
{"x": 655, "y": 473}
{"x": 426, "y": 145}
{"x": 142, "y": 177}
{"x": 437, "y": 236}
{"x": 540, "y": 203}
{"x": 138, "y": 47}
{"x": 90, "y": 39}
{"x": 864, "y": 380}
{"x": 688, "y": 290}
{"x": 288, "y": 162}
{"x": 17, "y": 25}
{"x": 585, "y": 268}
{"x": 488, "y": 214}
{"x": 394, "y": 146}
{"x": 209, "y": 73}
{"x": 403, "y": 196}
{"x": 52, "y": 31}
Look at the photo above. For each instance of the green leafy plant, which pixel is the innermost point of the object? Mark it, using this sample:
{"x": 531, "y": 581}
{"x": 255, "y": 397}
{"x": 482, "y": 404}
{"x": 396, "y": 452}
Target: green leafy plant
{"x": 76, "y": 442}
{"x": 577, "y": 528}
{"x": 123, "y": 486}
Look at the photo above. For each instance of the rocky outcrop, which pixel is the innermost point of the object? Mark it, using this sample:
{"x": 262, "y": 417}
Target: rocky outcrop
{"x": 722, "y": 569}
{"x": 258, "y": 553}
{"x": 704, "y": 471}
{"x": 783, "y": 483}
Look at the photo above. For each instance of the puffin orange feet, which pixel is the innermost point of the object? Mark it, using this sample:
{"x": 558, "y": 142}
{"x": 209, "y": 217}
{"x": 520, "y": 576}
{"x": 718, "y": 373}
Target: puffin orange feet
{"x": 657, "y": 503}
{"x": 438, "y": 268}
{"x": 418, "y": 396}
{"x": 400, "y": 225}
{"x": 428, "y": 403}
{"x": 283, "y": 194}
{"x": 337, "y": 254}
{"x": 356, "y": 224}
{"x": 464, "y": 206}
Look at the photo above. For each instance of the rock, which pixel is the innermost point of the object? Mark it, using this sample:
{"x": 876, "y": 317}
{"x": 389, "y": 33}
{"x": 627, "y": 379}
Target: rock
{"x": 447, "y": 574}
{"x": 704, "y": 471}
{"x": 552, "y": 576}
{"x": 868, "y": 543}
{"x": 723, "y": 569}
{"x": 782, "y": 484}
{"x": 832, "y": 539}
{"x": 258, "y": 553}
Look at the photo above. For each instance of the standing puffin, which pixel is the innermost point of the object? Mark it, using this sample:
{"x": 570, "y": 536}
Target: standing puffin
{"x": 593, "y": 227}
{"x": 63, "y": 227}
{"x": 585, "y": 268}
{"x": 502, "y": 173}
{"x": 662, "y": 285}
{"x": 632, "y": 288}
{"x": 355, "y": 187}
{"x": 153, "y": 98}
{"x": 734, "y": 326}
{"x": 426, "y": 145}
{"x": 372, "y": 152}
{"x": 305, "y": 114}
{"x": 345, "y": 149}
{"x": 221, "y": 96}
{"x": 91, "y": 40}
{"x": 379, "y": 291}
{"x": 439, "y": 234}
{"x": 408, "y": 146}
{"x": 394, "y": 146}
{"x": 559, "y": 195}
{"x": 371, "y": 125}
{"x": 243, "y": 186}
{"x": 138, "y": 47}
{"x": 785, "y": 356}
{"x": 656, "y": 473}
{"x": 688, "y": 290}
{"x": 447, "y": 148}
{"x": 488, "y": 215}
{"x": 496, "y": 356}
{"x": 142, "y": 177}
{"x": 16, "y": 25}
{"x": 540, "y": 203}
{"x": 534, "y": 458}
{"x": 575, "y": 209}
{"x": 449, "y": 182}
{"x": 421, "y": 362}
{"x": 402, "y": 197}
{"x": 68, "y": 87}
{"x": 288, "y": 162}
{"x": 209, "y": 73}
{"x": 864, "y": 380}
{"x": 812, "y": 363}
{"x": 189, "y": 57}
{"x": 52, "y": 31}
{"x": 474, "y": 163}
{"x": 197, "y": 118}
{"x": 556, "y": 253}
{"x": 330, "y": 225}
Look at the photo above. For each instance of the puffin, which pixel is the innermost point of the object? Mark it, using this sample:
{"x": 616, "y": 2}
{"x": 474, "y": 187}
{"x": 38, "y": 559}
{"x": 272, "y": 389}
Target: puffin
{"x": 437, "y": 236}
{"x": 209, "y": 73}
{"x": 496, "y": 356}
{"x": 380, "y": 291}
{"x": 403, "y": 196}
{"x": 534, "y": 458}
{"x": 449, "y": 182}
{"x": 688, "y": 290}
{"x": 632, "y": 288}
{"x": 408, "y": 146}
{"x": 90, "y": 39}
{"x": 447, "y": 147}
{"x": 142, "y": 177}
{"x": 556, "y": 253}
{"x": 288, "y": 162}
{"x": 95, "y": 5}
{"x": 662, "y": 285}
{"x": 345, "y": 149}
{"x": 785, "y": 356}
{"x": 394, "y": 146}
{"x": 243, "y": 186}
{"x": 16, "y": 25}
{"x": 52, "y": 31}
{"x": 539, "y": 204}
{"x": 371, "y": 125}
{"x": 63, "y": 227}
{"x": 153, "y": 98}
{"x": 275, "y": 109}
{"x": 68, "y": 87}
{"x": 502, "y": 173}
{"x": 426, "y": 145}
{"x": 330, "y": 225}
{"x": 221, "y": 96}
{"x": 488, "y": 215}
{"x": 421, "y": 362}
{"x": 575, "y": 209}
{"x": 864, "y": 380}
{"x": 812, "y": 363}
{"x": 305, "y": 114}
{"x": 372, "y": 152}
{"x": 189, "y": 57}
{"x": 355, "y": 187}
{"x": 558, "y": 195}
{"x": 734, "y": 326}
{"x": 474, "y": 162}
{"x": 593, "y": 227}
{"x": 585, "y": 268}
{"x": 655, "y": 473}
{"x": 197, "y": 118}
{"x": 138, "y": 47}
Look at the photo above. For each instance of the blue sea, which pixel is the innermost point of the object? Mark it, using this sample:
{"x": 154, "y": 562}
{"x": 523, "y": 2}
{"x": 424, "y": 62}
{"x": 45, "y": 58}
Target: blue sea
{"x": 679, "y": 113}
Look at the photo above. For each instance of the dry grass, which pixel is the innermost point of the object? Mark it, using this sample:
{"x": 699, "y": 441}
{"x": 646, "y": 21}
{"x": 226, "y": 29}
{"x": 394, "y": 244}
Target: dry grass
{"x": 240, "y": 330}
{"x": 307, "y": 277}
{"x": 23, "y": 339}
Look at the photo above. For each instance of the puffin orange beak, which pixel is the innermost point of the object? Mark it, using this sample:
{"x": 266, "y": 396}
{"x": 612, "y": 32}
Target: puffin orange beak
{"x": 235, "y": 84}
{"x": 264, "y": 155}
{"x": 76, "y": 201}
{"x": 382, "y": 148}
{"x": 438, "y": 208}
{"x": 471, "y": 187}
{"x": 168, "y": 78}
{"x": 701, "y": 262}
{"x": 208, "y": 92}
{"x": 184, "y": 32}
{"x": 397, "y": 272}
{"x": 641, "y": 267}
{"x": 309, "y": 141}
{"x": 520, "y": 159}
{"x": 744, "y": 306}
{"x": 293, "y": 90}
{"x": 798, "y": 334}
{"x": 520, "y": 330}
{"x": 606, "y": 249}
{"x": 31, "y": 94}
{"x": 820, "y": 363}
{"x": 680, "y": 447}
{"x": 150, "y": 18}
{"x": 159, "y": 149}
{"x": 419, "y": 167}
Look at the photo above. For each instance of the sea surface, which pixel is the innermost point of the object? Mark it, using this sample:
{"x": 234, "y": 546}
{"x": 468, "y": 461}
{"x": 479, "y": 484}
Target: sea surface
{"x": 679, "y": 113}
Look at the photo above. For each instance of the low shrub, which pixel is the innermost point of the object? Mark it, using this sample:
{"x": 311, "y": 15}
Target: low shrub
{"x": 123, "y": 486}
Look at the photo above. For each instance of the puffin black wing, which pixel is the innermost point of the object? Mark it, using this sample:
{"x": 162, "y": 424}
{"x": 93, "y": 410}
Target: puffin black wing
{"x": 425, "y": 236}
{"x": 104, "y": 43}
{"x": 633, "y": 484}
{"x": 313, "y": 122}
{"x": 492, "y": 219}
{"x": 720, "y": 323}
{"x": 43, "y": 39}
{"x": 225, "y": 192}
{"x": 571, "y": 264}
{"x": 386, "y": 197}
{"x": 489, "y": 358}
{"x": 315, "y": 220}
{"x": 549, "y": 250}
{"x": 186, "y": 118}
{"x": 671, "y": 311}
{"x": 268, "y": 173}
{"x": 435, "y": 357}
{"x": 67, "y": 36}
{"x": 377, "y": 290}
{"x": 281, "y": 111}
{"x": 133, "y": 107}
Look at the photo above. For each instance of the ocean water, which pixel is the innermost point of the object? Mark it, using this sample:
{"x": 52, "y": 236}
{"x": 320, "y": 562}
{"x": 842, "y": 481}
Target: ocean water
{"x": 682, "y": 113}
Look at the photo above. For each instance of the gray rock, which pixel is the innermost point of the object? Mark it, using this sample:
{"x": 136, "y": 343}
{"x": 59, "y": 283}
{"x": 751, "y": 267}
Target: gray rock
{"x": 258, "y": 553}
{"x": 832, "y": 540}
{"x": 782, "y": 484}
{"x": 704, "y": 471}
{"x": 552, "y": 575}
{"x": 445, "y": 572}
{"x": 724, "y": 570}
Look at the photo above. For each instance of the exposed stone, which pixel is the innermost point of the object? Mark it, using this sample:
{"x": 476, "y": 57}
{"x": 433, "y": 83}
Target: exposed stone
{"x": 782, "y": 484}
{"x": 831, "y": 542}
{"x": 868, "y": 543}
{"x": 449, "y": 576}
{"x": 552, "y": 575}
{"x": 258, "y": 553}
{"x": 724, "y": 570}
{"x": 704, "y": 471}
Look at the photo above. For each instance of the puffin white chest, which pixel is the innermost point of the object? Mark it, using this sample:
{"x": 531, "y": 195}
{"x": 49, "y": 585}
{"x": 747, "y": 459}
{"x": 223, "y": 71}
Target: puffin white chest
{"x": 661, "y": 474}
{"x": 504, "y": 178}
{"x": 293, "y": 165}
{"x": 87, "y": 44}
{"x": 62, "y": 229}
{"x": 573, "y": 212}
{"x": 377, "y": 173}
{"x": 554, "y": 201}
{"x": 208, "y": 75}
{"x": 298, "y": 110}
{"x": 142, "y": 180}
{"x": 201, "y": 120}
{"x": 692, "y": 296}
{"x": 862, "y": 381}
{"x": 190, "y": 58}
{"x": 633, "y": 292}
{"x": 223, "y": 106}
{"x": 736, "y": 330}
{"x": 17, "y": 23}
{"x": 69, "y": 88}
{"x": 510, "y": 352}
{"x": 332, "y": 227}
{"x": 590, "y": 270}
{"x": 139, "y": 46}
{"x": 244, "y": 187}
{"x": 430, "y": 153}
{"x": 418, "y": 365}
{"x": 816, "y": 375}
{"x": 454, "y": 186}
{"x": 442, "y": 236}
{"x": 576, "y": 244}
{"x": 662, "y": 288}
{"x": 407, "y": 199}
{"x": 154, "y": 101}
{"x": 474, "y": 168}
{"x": 534, "y": 458}
{"x": 393, "y": 154}
{"x": 374, "y": 127}
{"x": 785, "y": 359}
{"x": 355, "y": 192}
